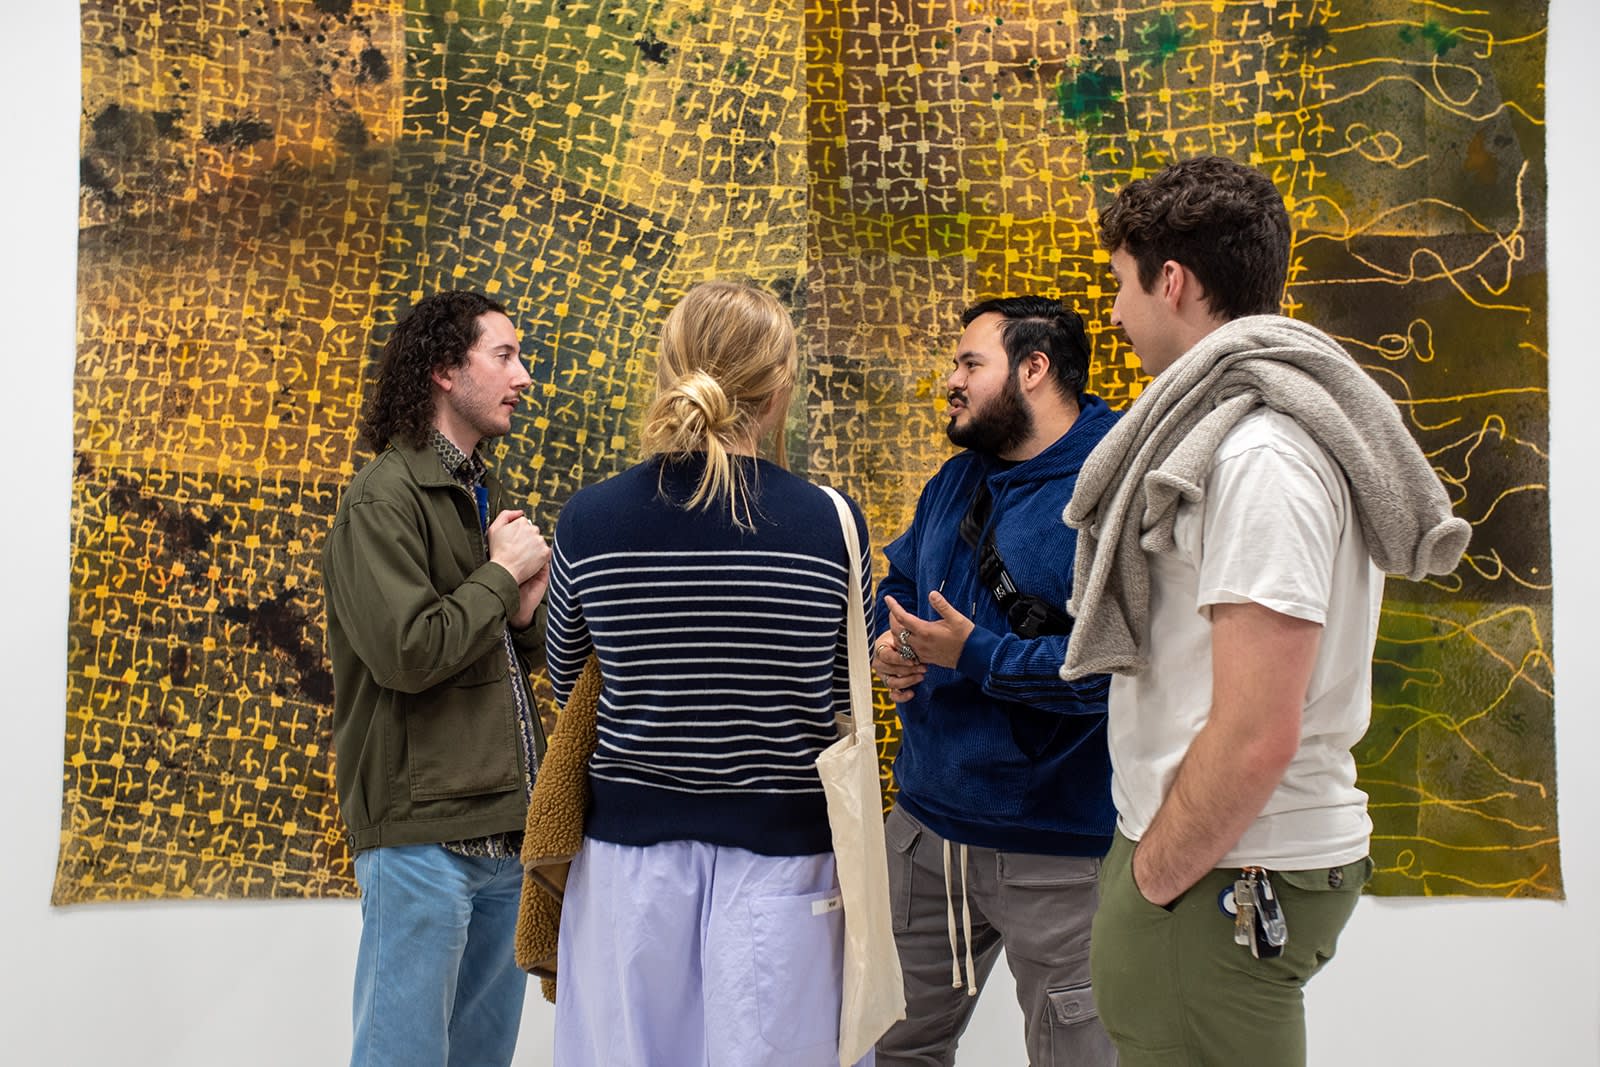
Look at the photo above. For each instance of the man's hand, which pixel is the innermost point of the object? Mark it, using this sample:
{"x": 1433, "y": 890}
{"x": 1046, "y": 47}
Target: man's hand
{"x": 529, "y": 595}
{"x": 899, "y": 674}
{"x": 515, "y": 544}
{"x": 933, "y": 642}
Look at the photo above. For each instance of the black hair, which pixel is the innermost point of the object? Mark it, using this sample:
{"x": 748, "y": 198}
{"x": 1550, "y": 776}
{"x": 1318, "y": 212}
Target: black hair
{"x": 1040, "y": 324}
{"x": 435, "y": 334}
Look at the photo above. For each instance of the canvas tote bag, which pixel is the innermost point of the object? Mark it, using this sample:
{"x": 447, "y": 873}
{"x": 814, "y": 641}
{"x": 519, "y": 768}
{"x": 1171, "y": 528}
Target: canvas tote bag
{"x": 874, "y": 990}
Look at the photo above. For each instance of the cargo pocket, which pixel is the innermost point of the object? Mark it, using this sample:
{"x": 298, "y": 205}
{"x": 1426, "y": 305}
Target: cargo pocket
{"x": 1028, "y": 870}
{"x": 461, "y": 740}
{"x": 1075, "y": 1032}
{"x": 900, "y": 833}
{"x": 798, "y": 949}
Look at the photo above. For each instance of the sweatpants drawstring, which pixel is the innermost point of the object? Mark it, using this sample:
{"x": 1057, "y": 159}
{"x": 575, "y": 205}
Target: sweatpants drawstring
{"x": 966, "y": 923}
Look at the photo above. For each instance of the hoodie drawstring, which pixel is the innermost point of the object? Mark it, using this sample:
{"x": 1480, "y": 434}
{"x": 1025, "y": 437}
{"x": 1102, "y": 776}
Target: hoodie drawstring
{"x": 966, "y": 922}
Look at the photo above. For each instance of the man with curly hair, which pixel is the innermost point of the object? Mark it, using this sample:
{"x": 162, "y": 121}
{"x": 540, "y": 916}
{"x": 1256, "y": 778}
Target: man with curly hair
{"x": 1233, "y": 534}
{"x": 433, "y": 585}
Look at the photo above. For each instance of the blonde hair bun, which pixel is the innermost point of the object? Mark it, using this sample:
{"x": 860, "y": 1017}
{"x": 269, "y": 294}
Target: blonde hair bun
{"x": 690, "y": 411}
{"x": 728, "y": 354}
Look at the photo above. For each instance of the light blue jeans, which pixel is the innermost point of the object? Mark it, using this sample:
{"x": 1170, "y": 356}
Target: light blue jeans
{"x": 436, "y": 982}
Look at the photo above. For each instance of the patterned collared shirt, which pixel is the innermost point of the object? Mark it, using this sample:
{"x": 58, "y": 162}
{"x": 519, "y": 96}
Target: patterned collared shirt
{"x": 470, "y": 471}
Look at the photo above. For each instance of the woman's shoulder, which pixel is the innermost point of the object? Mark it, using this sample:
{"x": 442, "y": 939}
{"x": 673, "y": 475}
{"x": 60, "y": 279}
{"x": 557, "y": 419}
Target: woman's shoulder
{"x": 602, "y": 498}
{"x": 797, "y": 488}
{"x": 797, "y": 502}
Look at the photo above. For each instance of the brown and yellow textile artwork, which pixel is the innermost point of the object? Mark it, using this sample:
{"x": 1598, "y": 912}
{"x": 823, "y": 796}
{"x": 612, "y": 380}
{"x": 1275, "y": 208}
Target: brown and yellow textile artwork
{"x": 266, "y": 184}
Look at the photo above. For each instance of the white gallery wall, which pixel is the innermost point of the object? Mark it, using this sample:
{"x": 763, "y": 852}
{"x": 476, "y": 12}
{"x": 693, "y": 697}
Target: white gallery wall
{"x": 1459, "y": 982}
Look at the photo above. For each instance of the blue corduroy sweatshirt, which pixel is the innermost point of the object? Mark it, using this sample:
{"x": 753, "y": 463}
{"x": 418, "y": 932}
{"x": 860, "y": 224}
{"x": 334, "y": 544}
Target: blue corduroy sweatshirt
{"x": 1000, "y": 752}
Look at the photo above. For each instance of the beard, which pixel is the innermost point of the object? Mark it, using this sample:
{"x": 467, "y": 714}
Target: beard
{"x": 996, "y": 428}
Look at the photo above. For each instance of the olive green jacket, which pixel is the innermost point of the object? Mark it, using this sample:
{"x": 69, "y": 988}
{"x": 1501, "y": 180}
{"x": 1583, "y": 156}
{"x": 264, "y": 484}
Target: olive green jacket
{"x": 425, "y": 735}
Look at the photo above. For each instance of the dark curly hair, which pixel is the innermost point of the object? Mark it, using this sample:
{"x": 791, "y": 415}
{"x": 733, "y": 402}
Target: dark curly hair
{"x": 1039, "y": 324}
{"x": 436, "y": 333}
{"x": 1223, "y": 220}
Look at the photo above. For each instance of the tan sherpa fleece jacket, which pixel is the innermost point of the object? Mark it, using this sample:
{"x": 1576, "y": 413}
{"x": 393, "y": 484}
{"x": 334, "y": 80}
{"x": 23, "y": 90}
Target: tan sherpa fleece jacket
{"x": 554, "y": 830}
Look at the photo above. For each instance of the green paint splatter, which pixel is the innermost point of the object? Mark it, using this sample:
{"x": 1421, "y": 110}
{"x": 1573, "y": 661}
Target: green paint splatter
{"x": 1163, "y": 37}
{"x": 1438, "y": 37}
{"x": 1088, "y": 96}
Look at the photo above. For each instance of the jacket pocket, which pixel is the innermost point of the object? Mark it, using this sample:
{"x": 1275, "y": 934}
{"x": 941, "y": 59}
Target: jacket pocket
{"x": 461, "y": 737}
{"x": 1034, "y": 732}
{"x": 489, "y": 667}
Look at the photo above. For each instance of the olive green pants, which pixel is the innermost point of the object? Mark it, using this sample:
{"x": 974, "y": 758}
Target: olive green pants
{"x": 1175, "y": 990}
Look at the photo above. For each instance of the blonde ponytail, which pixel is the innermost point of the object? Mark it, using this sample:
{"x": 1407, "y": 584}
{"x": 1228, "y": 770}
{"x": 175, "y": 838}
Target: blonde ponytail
{"x": 727, "y": 355}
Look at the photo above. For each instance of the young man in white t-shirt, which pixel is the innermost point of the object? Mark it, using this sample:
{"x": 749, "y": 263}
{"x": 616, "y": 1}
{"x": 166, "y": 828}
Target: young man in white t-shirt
{"x": 1230, "y": 731}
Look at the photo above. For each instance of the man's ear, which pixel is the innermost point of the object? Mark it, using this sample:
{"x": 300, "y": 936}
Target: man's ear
{"x": 1034, "y": 368}
{"x": 441, "y": 378}
{"x": 1171, "y": 282}
{"x": 1179, "y": 287}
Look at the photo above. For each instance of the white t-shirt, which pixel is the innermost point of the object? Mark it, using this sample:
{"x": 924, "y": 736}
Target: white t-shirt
{"x": 1275, "y": 527}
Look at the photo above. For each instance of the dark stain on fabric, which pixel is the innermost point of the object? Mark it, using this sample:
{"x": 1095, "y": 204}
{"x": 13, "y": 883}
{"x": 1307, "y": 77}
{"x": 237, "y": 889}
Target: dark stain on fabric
{"x": 1310, "y": 40}
{"x": 374, "y": 66}
{"x": 279, "y": 624}
{"x": 184, "y": 532}
{"x": 652, "y": 47}
{"x": 120, "y": 131}
{"x": 353, "y": 135}
{"x": 240, "y": 133}
{"x": 92, "y": 178}
{"x": 166, "y": 123}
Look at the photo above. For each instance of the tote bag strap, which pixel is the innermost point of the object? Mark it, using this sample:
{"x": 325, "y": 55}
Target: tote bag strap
{"x": 855, "y": 625}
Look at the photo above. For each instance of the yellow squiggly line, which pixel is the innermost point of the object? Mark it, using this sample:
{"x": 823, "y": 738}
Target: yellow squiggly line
{"x": 1522, "y": 847}
{"x": 1457, "y": 806}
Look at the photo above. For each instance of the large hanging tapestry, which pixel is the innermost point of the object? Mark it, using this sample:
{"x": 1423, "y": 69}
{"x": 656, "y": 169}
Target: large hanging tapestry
{"x": 268, "y": 184}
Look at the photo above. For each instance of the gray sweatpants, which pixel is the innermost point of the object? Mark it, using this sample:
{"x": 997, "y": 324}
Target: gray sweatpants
{"x": 1039, "y": 908}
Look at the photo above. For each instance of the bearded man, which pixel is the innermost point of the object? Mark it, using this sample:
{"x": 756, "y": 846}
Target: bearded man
{"x": 1004, "y": 808}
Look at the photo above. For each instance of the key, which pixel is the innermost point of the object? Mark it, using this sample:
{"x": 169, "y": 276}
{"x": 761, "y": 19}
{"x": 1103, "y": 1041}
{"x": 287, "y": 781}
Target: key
{"x": 1244, "y": 916}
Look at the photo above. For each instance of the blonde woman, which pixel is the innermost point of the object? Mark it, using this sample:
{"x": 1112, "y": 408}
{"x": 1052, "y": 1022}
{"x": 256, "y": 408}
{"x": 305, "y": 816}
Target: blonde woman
{"x": 701, "y": 923}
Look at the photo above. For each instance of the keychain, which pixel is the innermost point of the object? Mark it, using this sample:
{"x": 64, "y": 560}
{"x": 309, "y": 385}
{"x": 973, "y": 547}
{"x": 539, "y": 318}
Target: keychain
{"x": 1258, "y": 921}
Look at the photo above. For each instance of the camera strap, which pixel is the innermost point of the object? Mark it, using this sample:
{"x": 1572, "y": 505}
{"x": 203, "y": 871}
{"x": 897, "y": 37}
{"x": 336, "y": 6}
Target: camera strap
{"x": 1029, "y": 616}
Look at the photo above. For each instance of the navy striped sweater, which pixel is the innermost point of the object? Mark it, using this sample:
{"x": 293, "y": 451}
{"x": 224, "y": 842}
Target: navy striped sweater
{"x": 722, "y": 652}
